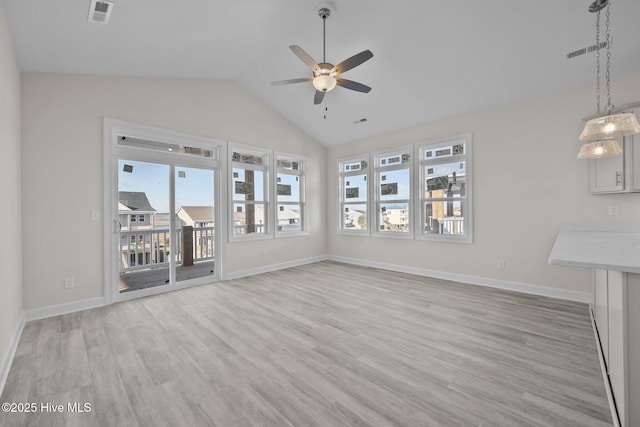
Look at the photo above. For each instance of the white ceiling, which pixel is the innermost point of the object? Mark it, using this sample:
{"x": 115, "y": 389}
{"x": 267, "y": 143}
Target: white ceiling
{"x": 432, "y": 59}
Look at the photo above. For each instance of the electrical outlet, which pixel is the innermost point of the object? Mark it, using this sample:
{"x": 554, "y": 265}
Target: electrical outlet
{"x": 69, "y": 282}
{"x": 95, "y": 215}
{"x": 500, "y": 264}
{"x": 613, "y": 210}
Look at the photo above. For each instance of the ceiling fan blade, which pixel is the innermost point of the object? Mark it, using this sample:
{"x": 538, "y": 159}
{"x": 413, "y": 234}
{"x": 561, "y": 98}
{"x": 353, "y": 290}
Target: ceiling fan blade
{"x": 319, "y": 96}
{"x": 350, "y": 84}
{"x": 304, "y": 57}
{"x": 352, "y": 62}
{"x": 291, "y": 81}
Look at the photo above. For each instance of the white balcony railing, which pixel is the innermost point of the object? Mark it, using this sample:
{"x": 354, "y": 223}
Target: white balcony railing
{"x": 447, "y": 225}
{"x": 144, "y": 249}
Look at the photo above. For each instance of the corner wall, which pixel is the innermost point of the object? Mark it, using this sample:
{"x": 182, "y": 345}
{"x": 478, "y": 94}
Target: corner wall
{"x": 11, "y": 314}
{"x": 526, "y": 182}
{"x": 62, "y": 153}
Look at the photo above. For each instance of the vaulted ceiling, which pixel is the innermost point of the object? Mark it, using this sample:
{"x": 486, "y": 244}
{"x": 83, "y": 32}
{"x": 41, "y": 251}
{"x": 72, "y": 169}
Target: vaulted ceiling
{"x": 432, "y": 59}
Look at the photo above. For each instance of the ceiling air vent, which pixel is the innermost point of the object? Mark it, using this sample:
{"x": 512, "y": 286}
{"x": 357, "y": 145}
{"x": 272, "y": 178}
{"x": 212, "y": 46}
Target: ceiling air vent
{"x": 100, "y": 11}
{"x": 584, "y": 50}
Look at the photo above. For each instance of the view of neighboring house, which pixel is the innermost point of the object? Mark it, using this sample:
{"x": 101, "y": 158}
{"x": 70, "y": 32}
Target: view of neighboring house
{"x": 288, "y": 219}
{"x": 134, "y": 211}
{"x": 139, "y": 246}
{"x": 201, "y": 218}
{"x": 395, "y": 220}
{"x": 195, "y": 216}
{"x": 355, "y": 219}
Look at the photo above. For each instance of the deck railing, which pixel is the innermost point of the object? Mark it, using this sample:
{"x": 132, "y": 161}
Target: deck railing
{"x": 447, "y": 225}
{"x": 144, "y": 249}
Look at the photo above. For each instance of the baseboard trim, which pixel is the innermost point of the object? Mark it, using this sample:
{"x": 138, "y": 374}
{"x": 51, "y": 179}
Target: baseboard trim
{"x": 603, "y": 367}
{"x": 273, "y": 267}
{"x": 472, "y": 280}
{"x": 69, "y": 307}
{"x": 7, "y": 360}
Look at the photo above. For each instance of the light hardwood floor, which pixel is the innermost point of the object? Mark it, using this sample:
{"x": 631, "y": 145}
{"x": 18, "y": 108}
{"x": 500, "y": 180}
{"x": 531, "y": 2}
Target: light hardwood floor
{"x": 325, "y": 344}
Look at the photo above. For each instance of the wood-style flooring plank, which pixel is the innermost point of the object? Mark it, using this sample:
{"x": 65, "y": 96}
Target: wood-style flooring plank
{"x": 325, "y": 344}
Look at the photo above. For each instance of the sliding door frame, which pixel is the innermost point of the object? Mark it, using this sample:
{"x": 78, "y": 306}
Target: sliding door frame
{"x": 112, "y": 129}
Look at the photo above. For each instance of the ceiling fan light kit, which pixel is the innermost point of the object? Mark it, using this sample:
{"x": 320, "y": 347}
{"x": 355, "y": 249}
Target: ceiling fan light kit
{"x": 603, "y": 129}
{"x": 325, "y": 75}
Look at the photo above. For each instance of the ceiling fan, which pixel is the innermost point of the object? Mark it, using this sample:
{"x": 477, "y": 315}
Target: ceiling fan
{"x": 325, "y": 75}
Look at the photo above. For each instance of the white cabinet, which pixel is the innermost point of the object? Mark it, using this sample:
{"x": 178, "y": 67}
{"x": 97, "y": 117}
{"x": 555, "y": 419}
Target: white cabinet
{"x": 617, "y": 174}
{"x": 616, "y": 298}
{"x": 636, "y": 163}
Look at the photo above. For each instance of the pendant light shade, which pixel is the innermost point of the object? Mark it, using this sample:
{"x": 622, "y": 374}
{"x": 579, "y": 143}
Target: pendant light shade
{"x": 614, "y": 126}
{"x": 604, "y": 128}
{"x": 598, "y": 149}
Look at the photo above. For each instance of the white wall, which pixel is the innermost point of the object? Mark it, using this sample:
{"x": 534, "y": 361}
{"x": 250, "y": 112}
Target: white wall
{"x": 526, "y": 180}
{"x": 62, "y": 169}
{"x": 10, "y": 218}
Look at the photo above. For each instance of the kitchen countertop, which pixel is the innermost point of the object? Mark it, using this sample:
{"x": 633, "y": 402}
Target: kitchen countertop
{"x": 606, "y": 247}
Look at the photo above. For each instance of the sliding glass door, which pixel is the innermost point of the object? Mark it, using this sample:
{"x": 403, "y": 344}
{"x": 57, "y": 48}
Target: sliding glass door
{"x": 145, "y": 242}
{"x": 195, "y": 227}
{"x": 163, "y": 209}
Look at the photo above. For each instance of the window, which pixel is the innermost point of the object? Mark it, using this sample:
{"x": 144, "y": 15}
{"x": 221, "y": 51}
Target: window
{"x": 140, "y": 218}
{"x": 445, "y": 190}
{"x": 393, "y": 192}
{"x": 290, "y": 195}
{"x": 354, "y": 195}
{"x": 134, "y": 218}
{"x": 249, "y": 192}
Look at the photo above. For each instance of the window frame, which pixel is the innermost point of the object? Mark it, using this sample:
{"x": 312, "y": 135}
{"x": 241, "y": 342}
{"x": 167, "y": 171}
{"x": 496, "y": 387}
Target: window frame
{"x": 467, "y": 199}
{"x": 377, "y": 200}
{"x": 301, "y": 174}
{"x": 342, "y": 174}
{"x": 265, "y": 168}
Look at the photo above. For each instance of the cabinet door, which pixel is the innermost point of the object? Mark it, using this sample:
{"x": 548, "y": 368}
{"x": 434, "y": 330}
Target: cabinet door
{"x": 617, "y": 340}
{"x": 607, "y": 174}
{"x": 601, "y": 311}
{"x": 635, "y": 148}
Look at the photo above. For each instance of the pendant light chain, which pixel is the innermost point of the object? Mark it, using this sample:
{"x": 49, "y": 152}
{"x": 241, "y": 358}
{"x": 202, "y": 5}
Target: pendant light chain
{"x": 598, "y": 62}
{"x": 605, "y": 128}
{"x": 609, "y": 108}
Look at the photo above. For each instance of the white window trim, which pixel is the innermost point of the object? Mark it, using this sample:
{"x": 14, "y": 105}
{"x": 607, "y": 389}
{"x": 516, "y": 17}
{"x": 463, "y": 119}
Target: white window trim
{"x": 266, "y": 168}
{"x": 376, "y": 201}
{"x": 419, "y": 188}
{"x": 301, "y": 173}
{"x": 341, "y": 200}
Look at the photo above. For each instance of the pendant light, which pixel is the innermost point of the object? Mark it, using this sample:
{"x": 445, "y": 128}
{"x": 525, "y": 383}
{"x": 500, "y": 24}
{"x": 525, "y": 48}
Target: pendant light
{"x": 595, "y": 150}
{"x": 604, "y": 128}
